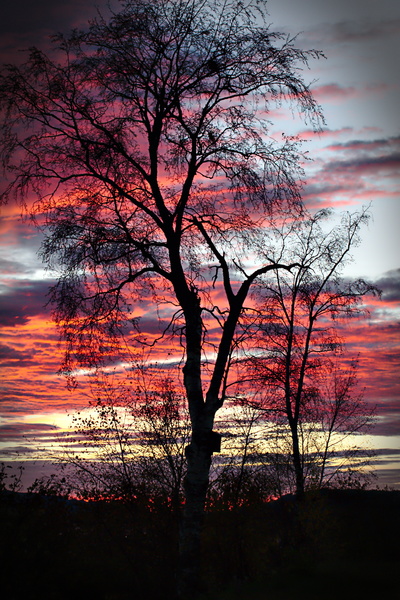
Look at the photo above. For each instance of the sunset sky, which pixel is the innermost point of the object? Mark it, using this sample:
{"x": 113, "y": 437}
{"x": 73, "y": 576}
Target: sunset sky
{"x": 356, "y": 161}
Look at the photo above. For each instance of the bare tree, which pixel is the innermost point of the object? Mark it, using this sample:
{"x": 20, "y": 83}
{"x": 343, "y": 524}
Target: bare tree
{"x": 296, "y": 340}
{"x": 146, "y": 141}
{"x": 340, "y": 413}
{"x": 130, "y": 444}
{"x": 242, "y": 474}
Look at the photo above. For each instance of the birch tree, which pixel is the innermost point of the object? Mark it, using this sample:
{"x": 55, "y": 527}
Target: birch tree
{"x": 296, "y": 345}
{"x": 143, "y": 145}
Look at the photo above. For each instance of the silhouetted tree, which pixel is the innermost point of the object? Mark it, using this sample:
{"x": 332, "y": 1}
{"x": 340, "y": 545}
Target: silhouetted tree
{"x": 241, "y": 475}
{"x": 295, "y": 341}
{"x": 146, "y": 142}
{"x": 10, "y": 477}
{"x": 133, "y": 440}
{"x": 130, "y": 445}
{"x": 339, "y": 414}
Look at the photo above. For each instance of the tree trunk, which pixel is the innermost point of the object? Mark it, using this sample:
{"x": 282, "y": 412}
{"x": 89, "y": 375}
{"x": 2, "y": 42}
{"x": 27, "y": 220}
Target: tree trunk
{"x": 204, "y": 441}
{"x": 298, "y": 467}
{"x": 198, "y": 455}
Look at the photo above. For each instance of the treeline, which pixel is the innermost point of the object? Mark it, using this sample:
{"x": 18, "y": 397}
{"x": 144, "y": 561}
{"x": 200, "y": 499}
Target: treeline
{"x": 132, "y": 444}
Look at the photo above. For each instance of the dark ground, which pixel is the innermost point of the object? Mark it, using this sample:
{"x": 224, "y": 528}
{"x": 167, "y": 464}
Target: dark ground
{"x": 335, "y": 544}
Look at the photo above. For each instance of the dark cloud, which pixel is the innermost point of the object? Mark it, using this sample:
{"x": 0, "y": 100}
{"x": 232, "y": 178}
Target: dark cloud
{"x": 387, "y": 451}
{"x": 11, "y": 452}
{"x": 25, "y": 16}
{"x": 352, "y": 161}
{"x": 364, "y": 29}
{"x": 32, "y": 397}
{"x": 11, "y": 357}
{"x": 321, "y": 188}
{"x": 24, "y": 300}
{"x": 349, "y": 31}
{"x": 369, "y": 164}
{"x": 387, "y": 426}
{"x": 389, "y": 283}
{"x": 388, "y": 477}
{"x": 382, "y": 144}
{"x": 12, "y": 431}
{"x": 153, "y": 326}
{"x": 387, "y": 407}
{"x": 24, "y": 23}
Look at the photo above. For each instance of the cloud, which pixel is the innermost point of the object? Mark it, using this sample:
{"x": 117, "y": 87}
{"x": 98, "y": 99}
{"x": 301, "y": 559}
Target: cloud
{"x": 387, "y": 425}
{"x": 11, "y": 357}
{"x": 16, "y": 229}
{"x": 386, "y": 451}
{"x": 326, "y": 132}
{"x": 356, "y": 169}
{"x": 365, "y": 164}
{"x": 26, "y": 23}
{"x": 153, "y": 325}
{"x": 22, "y": 301}
{"x": 11, "y": 267}
{"x": 335, "y": 93}
{"x": 318, "y": 188}
{"x": 16, "y": 430}
{"x": 391, "y": 144}
{"x": 352, "y": 32}
{"x": 389, "y": 283}
{"x": 363, "y": 29}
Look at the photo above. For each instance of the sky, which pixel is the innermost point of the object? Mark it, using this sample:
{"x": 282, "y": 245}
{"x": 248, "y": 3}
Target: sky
{"x": 355, "y": 162}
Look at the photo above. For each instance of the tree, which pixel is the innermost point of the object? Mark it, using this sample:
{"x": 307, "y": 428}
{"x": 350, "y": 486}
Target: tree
{"x": 339, "y": 413}
{"x": 242, "y": 475}
{"x": 130, "y": 445}
{"x": 10, "y": 481}
{"x": 146, "y": 141}
{"x": 293, "y": 355}
{"x": 133, "y": 439}
{"x": 330, "y": 455}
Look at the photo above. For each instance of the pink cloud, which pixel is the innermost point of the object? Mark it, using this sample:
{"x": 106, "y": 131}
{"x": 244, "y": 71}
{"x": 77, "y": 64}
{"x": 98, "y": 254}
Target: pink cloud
{"x": 335, "y": 93}
{"x": 329, "y": 133}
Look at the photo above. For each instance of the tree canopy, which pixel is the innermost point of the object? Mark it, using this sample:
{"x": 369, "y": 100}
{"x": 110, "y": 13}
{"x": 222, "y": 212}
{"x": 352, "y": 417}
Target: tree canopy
{"x": 146, "y": 141}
